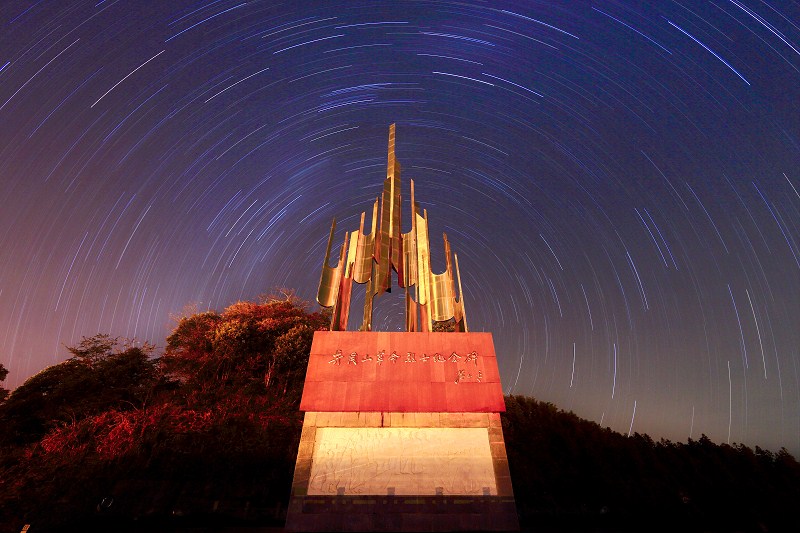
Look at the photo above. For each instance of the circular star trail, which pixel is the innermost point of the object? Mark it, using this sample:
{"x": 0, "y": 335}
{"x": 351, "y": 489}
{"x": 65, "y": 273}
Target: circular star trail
{"x": 620, "y": 181}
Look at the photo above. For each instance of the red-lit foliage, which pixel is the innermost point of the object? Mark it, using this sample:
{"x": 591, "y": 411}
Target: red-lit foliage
{"x": 217, "y": 412}
{"x": 102, "y": 374}
{"x": 252, "y": 346}
{"x": 114, "y": 435}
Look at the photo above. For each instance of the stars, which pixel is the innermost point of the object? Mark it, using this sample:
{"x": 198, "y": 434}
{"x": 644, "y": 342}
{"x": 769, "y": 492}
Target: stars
{"x": 131, "y": 73}
{"x": 619, "y": 183}
{"x": 709, "y": 50}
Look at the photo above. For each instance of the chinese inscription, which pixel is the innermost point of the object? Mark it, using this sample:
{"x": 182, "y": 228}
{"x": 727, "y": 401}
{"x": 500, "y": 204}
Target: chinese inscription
{"x": 411, "y": 357}
{"x": 463, "y": 375}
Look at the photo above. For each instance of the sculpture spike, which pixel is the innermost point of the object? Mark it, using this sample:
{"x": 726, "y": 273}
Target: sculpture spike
{"x": 371, "y": 258}
{"x": 463, "y": 320}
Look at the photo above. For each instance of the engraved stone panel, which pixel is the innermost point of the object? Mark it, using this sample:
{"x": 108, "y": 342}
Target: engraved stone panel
{"x": 402, "y": 461}
{"x": 400, "y": 371}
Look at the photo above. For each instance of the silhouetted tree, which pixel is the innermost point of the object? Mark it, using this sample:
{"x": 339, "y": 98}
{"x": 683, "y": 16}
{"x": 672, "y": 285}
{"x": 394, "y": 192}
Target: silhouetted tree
{"x": 573, "y": 473}
{"x": 102, "y": 374}
{"x": 3, "y": 374}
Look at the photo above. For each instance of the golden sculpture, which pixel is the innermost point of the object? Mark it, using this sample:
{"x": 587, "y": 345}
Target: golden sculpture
{"x": 370, "y": 258}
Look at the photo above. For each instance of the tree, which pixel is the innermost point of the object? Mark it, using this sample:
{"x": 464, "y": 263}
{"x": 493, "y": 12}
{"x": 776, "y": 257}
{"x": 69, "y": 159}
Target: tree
{"x": 215, "y": 418}
{"x": 101, "y": 375}
{"x": 256, "y": 347}
{"x": 3, "y": 374}
{"x": 92, "y": 350}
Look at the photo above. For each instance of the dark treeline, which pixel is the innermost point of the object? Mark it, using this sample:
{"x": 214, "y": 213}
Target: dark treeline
{"x": 205, "y": 435}
{"x": 567, "y": 470}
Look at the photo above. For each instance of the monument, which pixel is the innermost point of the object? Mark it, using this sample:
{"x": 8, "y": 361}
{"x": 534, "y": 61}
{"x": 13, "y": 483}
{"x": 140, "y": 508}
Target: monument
{"x": 402, "y": 429}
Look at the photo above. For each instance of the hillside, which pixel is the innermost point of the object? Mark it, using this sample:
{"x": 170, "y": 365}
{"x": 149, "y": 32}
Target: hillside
{"x": 206, "y": 434}
{"x": 569, "y": 471}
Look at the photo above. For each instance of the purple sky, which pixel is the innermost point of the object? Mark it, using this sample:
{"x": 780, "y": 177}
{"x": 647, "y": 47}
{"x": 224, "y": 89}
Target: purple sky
{"x": 619, "y": 180}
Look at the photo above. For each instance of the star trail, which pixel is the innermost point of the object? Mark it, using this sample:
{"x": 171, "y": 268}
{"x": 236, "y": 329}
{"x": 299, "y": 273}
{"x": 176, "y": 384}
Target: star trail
{"x": 619, "y": 179}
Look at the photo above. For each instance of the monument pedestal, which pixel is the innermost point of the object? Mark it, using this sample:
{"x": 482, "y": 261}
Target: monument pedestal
{"x": 402, "y": 433}
{"x": 402, "y": 430}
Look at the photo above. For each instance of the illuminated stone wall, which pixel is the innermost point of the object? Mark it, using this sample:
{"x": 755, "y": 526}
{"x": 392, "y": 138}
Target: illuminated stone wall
{"x": 401, "y": 471}
{"x": 339, "y": 452}
{"x": 402, "y": 461}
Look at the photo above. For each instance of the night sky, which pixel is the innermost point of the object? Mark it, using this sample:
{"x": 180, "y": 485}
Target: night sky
{"x": 620, "y": 180}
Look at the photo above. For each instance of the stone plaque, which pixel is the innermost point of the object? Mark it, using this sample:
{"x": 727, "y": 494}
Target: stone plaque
{"x": 402, "y": 461}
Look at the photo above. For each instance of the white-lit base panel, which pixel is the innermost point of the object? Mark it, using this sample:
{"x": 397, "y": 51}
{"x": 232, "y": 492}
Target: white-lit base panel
{"x": 402, "y": 461}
